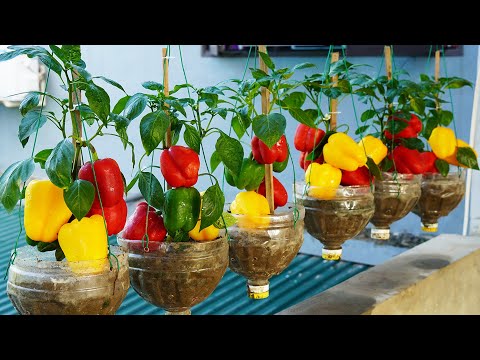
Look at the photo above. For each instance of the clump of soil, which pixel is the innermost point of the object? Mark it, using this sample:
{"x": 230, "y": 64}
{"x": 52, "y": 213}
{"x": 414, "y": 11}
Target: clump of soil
{"x": 440, "y": 195}
{"x": 40, "y": 285}
{"x": 176, "y": 276}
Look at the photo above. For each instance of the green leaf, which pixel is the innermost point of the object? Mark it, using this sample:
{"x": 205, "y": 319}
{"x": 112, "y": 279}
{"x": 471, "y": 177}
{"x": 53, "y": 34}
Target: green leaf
{"x": 429, "y": 103}
{"x": 215, "y": 160}
{"x": 42, "y": 156}
{"x": 303, "y": 116}
{"x": 59, "y": 255}
{"x": 238, "y": 126}
{"x": 230, "y": 151}
{"x": 181, "y": 236}
{"x": 59, "y": 164}
{"x": 29, "y": 124}
{"x": 153, "y": 128}
{"x": 120, "y": 105}
{"x": 99, "y": 101}
{"x": 112, "y": 82}
{"x": 213, "y": 202}
{"x": 386, "y": 164}
{"x": 395, "y": 126}
{"x": 413, "y": 143}
{"x": 361, "y": 129}
{"x": 61, "y": 54}
{"x": 135, "y": 105}
{"x": 295, "y": 99}
{"x": 467, "y": 157}
{"x": 191, "y": 137}
{"x": 212, "y": 90}
{"x": 10, "y": 181}
{"x": 258, "y": 74}
{"x": 442, "y": 166}
{"x": 73, "y": 53}
{"x": 50, "y": 62}
{"x": 304, "y": 65}
{"x": 151, "y": 190}
{"x": 79, "y": 197}
{"x": 30, "y": 101}
{"x": 374, "y": 169}
{"x": 267, "y": 60}
{"x": 132, "y": 182}
{"x": 417, "y": 105}
{"x": 446, "y": 117}
{"x": 269, "y": 128}
{"x": 424, "y": 77}
{"x": 177, "y": 106}
{"x": 333, "y": 92}
{"x": 432, "y": 123}
{"x": 367, "y": 115}
{"x": 456, "y": 83}
{"x": 152, "y": 85}
{"x": 225, "y": 221}
{"x": 83, "y": 73}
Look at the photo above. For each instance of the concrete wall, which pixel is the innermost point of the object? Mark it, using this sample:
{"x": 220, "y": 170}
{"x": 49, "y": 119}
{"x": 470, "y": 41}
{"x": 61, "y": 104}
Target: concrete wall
{"x": 131, "y": 65}
{"x": 440, "y": 276}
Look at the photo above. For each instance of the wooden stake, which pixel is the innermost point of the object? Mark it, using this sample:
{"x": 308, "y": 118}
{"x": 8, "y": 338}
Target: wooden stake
{"x": 388, "y": 62}
{"x": 77, "y": 99}
{"x": 437, "y": 65}
{"x": 166, "y": 92}
{"x": 334, "y": 102}
{"x": 265, "y": 108}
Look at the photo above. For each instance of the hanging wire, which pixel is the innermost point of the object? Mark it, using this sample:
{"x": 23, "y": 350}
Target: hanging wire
{"x": 427, "y": 65}
{"x": 13, "y": 255}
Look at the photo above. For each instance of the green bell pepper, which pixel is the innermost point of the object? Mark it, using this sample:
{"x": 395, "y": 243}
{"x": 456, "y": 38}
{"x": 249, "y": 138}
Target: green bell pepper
{"x": 250, "y": 177}
{"x": 278, "y": 167}
{"x": 181, "y": 209}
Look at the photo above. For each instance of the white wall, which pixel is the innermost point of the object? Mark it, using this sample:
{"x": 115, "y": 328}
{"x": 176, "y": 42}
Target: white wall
{"x": 130, "y": 65}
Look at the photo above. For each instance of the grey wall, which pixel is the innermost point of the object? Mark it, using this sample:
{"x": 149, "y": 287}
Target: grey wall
{"x": 131, "y": 65}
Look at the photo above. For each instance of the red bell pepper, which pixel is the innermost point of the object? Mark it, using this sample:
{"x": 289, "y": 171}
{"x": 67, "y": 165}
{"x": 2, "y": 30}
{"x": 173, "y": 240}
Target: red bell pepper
{"x": 179, "y": 166}
{"x": 280, "y": 196}
{"x": 135, "y": 226}
{"x": 412, "y": 130}
{"x": 428, "y": 158}
{"x": 115, "y": 216}
{"x": 264, "y": 155}
{"x": 306, "y": 138}
{"x": 304, "y": 163}
{"x": 408, "y": 161}
{"x": 109, "y": 180}
{"x": 361, "y": 176}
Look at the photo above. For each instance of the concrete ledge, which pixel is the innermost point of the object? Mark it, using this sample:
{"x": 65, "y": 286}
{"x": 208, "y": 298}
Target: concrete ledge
{"x": 440, "y": 276}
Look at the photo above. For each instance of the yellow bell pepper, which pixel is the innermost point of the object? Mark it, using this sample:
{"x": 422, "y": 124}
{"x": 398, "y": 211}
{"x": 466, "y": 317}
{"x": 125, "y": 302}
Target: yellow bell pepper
{"x": 45, "y": 211}
{"x": 443, "y": 142}
{"x": 374, "y": 148}
{"x": 343, "y": 152}
{"x": 252, "y": 205}
{"x": 324, "y": 180}
{"x": 452, "y": 159}
{"x": 84, "y": 240}
{"x": 209, "y": 233}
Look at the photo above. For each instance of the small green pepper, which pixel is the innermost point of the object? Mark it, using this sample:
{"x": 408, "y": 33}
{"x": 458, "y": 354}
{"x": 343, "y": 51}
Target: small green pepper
{"x": 181, "y": 209}
{"x": 250, "y": 177}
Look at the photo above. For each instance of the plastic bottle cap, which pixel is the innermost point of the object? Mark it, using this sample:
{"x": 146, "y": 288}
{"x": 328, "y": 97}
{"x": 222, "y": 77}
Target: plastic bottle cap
{"x": 380, "y": 234}
{"x": 258, "y": 291}
{"x": 328, "y": 254}
{"x": 430, "y": 227}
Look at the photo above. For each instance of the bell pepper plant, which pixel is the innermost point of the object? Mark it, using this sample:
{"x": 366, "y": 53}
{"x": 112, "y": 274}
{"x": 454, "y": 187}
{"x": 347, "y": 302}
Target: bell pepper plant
{"x": 64, "y": 212}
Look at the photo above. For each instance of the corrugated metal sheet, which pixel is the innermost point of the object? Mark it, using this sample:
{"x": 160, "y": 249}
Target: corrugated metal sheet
{"x": 306, "y": 276}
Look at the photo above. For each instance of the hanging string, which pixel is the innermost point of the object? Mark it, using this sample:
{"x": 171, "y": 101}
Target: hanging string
{"x": 427, "y": 65}
{"x": 13, "y": 255}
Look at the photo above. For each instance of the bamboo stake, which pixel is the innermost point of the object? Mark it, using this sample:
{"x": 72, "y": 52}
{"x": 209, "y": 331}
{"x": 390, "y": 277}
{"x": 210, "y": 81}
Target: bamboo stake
{"x": 334, "y": 102}
{"x": 437, "y": 73}
{"x": 166, "y": 92}
{"x": 265, "y": 108}
{"x": 388, "y": 62}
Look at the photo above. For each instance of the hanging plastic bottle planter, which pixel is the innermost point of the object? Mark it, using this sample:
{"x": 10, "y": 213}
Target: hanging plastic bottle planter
{"x": 38, "y": 284}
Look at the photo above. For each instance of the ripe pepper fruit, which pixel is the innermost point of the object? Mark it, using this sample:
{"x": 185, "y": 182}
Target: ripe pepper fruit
{"x": 280, "y": 196}
{"x": 135, "y": 226}
{"x": 109, "y": 179}
{"x": 342, "y": 152}
{"x": 452, "y": 159}
{"x": 250, "y": 177}
{"x": 84, "y": 240}
{"x": 181, "y": 209}
{"x": 443, "y": 142}
{"x": 209, "y": 233}
{"x": 115, "y": 216}
{"x": 306, "y": 138}
{"x": 412, "y": 130}
{"x": 324, "y": 180}
{"x": 304, "y": 163}
{"x": 428, "y": 159}
{"x": 253, "y": 206}
{"x": 45, "y": 210}
{"x": 361, "y": 176}
{"x": 374, "y": 148}
{"x": 179, "y": 166}
{"x": 265, "y": 155}
{"x": 408, "y": 161}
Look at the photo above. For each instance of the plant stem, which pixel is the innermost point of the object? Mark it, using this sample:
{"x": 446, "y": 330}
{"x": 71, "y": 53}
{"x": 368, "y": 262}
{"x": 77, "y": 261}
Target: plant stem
{"x": 76, "y": 128}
